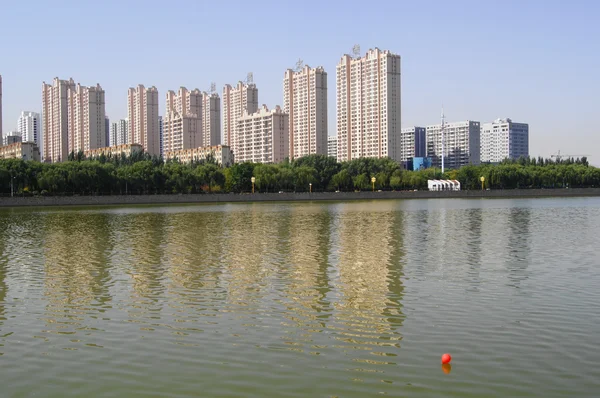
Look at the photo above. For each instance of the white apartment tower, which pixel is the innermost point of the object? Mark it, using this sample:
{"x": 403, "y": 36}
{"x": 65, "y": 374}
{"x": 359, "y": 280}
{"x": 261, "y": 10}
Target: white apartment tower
{"x": 182, "y": 122}
{"x": 462, "y": 144}
{"x": 118, "y": 132}
{"x": 142, "y": 114}
{"x": 237, "y": 100}
{"x": 211, "y": 119}
{"x": 55, "y": 117}
{"x": 332, "y": 146}
{"x": 305, "y": 100}
{"x": 413, "y": 143}
{"x": 262, "y": 137}
{"x": 368, "y": 106}
{"x": 86, "y": 118}
{"x": 504, "y": 139}
{"x": 112, "y": 140}
{"x": 161, "y": 135}
{"x": 29, "y": 125}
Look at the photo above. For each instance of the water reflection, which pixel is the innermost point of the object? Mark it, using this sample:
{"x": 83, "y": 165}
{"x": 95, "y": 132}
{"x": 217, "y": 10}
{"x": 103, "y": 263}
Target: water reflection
{"x": 308, "y": 307}
{"x": 368, "y": 309}
{"x": 519, "y": 245}
{"x": 76, "y": 282}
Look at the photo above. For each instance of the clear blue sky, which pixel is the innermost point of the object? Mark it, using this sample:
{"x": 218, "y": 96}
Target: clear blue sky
{"x": 536, "y": 61}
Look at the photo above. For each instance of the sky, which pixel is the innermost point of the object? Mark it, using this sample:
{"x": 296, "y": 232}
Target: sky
{"x": 534, "y": 61}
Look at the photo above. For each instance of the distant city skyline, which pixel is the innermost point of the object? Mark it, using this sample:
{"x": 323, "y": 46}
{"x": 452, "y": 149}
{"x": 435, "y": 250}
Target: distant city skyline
{"x": 540, "y": 71}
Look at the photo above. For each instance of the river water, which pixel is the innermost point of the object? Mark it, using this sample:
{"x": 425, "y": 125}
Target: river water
{"x": 352, "y": 299}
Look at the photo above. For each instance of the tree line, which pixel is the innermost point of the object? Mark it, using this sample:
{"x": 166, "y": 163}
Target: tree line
{"x": 143, "y": 174}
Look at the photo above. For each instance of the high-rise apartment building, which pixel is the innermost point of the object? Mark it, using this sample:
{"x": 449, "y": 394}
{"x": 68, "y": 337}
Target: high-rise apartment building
{"x": 112, "y": 141}
{"x": 332, "y": 146}
{"x": 161, "y": 136}
{"x": 504, "y": 139}
{"x": 462, "y": 144}
{"x": 369, "y": 106}
{"x": 123, "y": 132}
{"x": 305, "y": 100}
{"x": 55, "y": 119}
{"x": 29, "y": 125}
{"x": 182, "y": 122}
{"x": 211, "y": 119}
{"x": 237, "y": 100}
{"x": 107, "y": 131}
{"x": 142, "y": 115}
{"x": 413, "y": 143}
{"x": 262, "y": 137}
{"x": 86, "y": 118}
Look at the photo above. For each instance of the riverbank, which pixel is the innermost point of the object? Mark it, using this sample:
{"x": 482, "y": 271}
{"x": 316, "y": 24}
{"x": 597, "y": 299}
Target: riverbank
{"x": 284, "y": 197}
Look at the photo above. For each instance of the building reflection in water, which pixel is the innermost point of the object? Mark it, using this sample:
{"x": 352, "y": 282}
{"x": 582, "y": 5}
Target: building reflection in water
{"x": 368, "y": 312}
{"x": 519, "y": 244}
{"x": 251, "y": 255}
{"x": 76, "y": 282}
{"x": 306, "y": 273}
{"x": 139, "y": 244}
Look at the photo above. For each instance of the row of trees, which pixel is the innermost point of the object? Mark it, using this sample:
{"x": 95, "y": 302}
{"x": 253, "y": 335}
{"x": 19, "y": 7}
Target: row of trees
{"x": 140, "y": 174}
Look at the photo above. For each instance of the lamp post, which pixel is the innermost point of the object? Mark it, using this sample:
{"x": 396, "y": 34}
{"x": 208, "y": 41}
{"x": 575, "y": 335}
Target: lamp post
{"x": 12, "y": 188}
{"x": 310, "y": 187}
{"x": 253, "y": 180}
{"x": 373, "y": 179}
{"x": 482, "y": 179}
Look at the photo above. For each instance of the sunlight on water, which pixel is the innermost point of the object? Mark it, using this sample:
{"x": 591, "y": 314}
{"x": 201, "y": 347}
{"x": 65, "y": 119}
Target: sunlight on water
{"x": 301, "y": 300}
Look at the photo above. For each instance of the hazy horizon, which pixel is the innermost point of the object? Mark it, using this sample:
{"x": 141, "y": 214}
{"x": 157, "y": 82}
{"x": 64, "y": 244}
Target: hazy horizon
{"x": 532, "y": 62}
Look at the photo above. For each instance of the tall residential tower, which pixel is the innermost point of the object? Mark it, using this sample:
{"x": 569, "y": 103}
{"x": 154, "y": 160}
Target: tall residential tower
{"x": 211, "y": 119}
{"x": 504, "y": 139}
{"x": 305, "y": 100}
{"x": 237, "y": 100}
{"x": 369, "y": 106}
{"x": 55, "y": 117}
{"x": 142, "y": 114}
{"x": 86, "y": 118}
{"x": 29, "y": 125}
{"x": 182, "y": 122}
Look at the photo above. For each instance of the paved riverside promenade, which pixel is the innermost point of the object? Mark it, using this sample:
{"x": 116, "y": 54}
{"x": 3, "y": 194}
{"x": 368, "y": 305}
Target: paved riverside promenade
{"x": 284, "y": 197}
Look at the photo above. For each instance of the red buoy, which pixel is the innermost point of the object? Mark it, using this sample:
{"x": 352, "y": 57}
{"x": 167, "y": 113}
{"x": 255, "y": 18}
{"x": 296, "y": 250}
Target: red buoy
{"x": 446, "y": 358}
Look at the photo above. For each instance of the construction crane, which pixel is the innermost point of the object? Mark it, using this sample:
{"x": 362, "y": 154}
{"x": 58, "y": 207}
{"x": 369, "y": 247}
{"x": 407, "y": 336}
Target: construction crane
{"x": 558, "y": 157}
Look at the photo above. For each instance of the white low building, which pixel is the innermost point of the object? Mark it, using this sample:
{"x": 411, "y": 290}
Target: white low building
{"x": 443, "y": 185}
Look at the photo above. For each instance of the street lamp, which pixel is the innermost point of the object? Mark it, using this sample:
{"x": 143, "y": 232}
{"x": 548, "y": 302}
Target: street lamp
{"x": 373, "y": 179}
{"x": 310, "y": 187}
{"x": 482, "y": 179}
{"x": 12, "y": 189}
{"x": 253, "y": 180}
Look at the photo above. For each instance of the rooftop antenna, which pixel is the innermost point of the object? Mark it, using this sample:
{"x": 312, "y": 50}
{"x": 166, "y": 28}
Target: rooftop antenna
{"x": 299, "y": 65}
{"x": 443, "y": 140}
{"x": 250, "y": 78}
{"x": 356, "y": 50}
{"x": 213, "y": 87}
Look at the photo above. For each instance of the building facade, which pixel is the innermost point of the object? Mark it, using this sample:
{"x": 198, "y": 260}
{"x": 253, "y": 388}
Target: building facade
{"x": 504, "y": 139}
{"x": 86, "y": 118}
{"x": 237, "y": 100}
{"x": 55, "y": 118}
{"x": 368, "y": 101}
{"x": 161, "y": 135}
{"x": 262, "y": 137}
{"x": 29, "y": 125}
{"x": 182, "y": 122}
{"x": 305, "y": 100}
{"x": 11, "y": 138}
{"x": 211, "y": 119}
{"x": 462, "y": 144}
{"x": 21, "y": 150}
{"x": 413, "y": 143}
{"x": 332, "y": 146}
{"x": 107, "y": 131}
{"x": 116, "y": 150}
{"x": 142, "y": 117}
{"x": 222, "y": 155}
